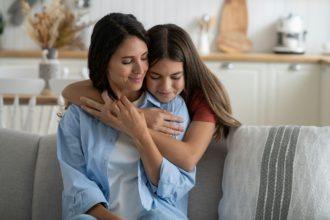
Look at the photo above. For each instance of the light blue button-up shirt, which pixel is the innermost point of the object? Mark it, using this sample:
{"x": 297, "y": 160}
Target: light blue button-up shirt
{"x": 84, "y": 146}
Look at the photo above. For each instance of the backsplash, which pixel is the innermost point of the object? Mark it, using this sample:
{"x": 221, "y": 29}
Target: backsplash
{"x": 263, "y": 15}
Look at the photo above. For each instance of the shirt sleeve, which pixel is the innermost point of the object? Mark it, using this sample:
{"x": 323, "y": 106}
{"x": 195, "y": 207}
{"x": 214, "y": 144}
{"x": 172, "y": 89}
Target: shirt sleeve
{"x": 175, "y": 183}
{"x": 200, "y": 110}
{"x": 80, "y": 193}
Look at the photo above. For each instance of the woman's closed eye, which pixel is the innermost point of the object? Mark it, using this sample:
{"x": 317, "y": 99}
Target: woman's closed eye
{"x": 127, "y": 61}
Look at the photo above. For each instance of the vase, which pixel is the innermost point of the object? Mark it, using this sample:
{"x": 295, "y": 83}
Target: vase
{"x": 49, "y": 67}
{"x": 204, "y": 44}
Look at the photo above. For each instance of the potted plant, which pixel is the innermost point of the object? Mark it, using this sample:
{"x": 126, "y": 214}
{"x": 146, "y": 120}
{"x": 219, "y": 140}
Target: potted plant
{"x": 53, "y": 28}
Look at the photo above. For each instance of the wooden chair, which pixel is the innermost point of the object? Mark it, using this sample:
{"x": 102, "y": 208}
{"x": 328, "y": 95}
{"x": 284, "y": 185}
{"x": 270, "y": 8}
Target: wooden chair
{"x": 18, "y": 87}
{"x": 57, "y": 85}
{"x": 19, "y": 71}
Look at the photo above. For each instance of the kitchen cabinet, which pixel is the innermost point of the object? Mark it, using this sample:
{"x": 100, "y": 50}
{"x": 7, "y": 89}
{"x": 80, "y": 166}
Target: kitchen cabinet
{"x": 246, "y": 85}
{"x": 274, "y": 93}
{"x": 294, "y": 94}
{"x": 325, "y": 95}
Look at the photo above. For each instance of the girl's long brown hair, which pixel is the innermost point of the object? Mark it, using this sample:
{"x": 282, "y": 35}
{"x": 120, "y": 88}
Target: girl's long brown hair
{"x": 172, "y": 42}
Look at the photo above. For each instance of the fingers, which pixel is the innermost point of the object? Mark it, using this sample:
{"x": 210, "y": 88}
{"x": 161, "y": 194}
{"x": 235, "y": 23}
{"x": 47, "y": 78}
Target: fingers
{"x": 173, "y": 126}
{"x": 169, "y": 131}
{"x": 91, "y": 103}
{"x": 106, "y": 98}
{"x": 91, "y": 111}
{"x": 168, "y": 116}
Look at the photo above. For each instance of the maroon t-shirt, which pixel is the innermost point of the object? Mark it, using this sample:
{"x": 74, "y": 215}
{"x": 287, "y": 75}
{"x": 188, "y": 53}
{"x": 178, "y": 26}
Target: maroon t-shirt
{"x": 199, "y": 109}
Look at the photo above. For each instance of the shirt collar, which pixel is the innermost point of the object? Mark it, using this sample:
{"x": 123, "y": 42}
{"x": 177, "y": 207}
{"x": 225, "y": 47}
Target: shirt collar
{"x": 150, "y": 99}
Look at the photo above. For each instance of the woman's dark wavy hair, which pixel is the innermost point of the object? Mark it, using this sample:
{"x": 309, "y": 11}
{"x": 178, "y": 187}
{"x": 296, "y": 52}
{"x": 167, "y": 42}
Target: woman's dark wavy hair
{"x": 108, "y": 34}
{"x": 172, "y": 42}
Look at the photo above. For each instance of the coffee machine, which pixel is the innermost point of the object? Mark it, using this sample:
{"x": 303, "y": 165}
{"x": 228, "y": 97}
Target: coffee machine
{"x": 291, "y": 35}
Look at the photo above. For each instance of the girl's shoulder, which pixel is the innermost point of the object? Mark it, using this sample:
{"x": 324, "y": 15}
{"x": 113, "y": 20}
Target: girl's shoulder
{"x": 199, "y": 108}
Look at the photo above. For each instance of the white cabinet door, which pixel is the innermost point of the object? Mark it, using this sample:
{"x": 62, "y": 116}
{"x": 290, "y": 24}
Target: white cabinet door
{"x": 294, "y": 94}
{"x": 245, "y": 83}
{"x": 325, "y": 95}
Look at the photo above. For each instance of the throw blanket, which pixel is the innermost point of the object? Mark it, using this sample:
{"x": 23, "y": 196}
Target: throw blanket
{"x": 280, "y": 172}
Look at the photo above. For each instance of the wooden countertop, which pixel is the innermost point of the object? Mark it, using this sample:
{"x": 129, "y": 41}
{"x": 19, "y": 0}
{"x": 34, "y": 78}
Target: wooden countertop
{"x": 62, "y": 54}
{"x": 245, "y": 57}
{"x": 248, "y": 57}
{"x": 41, "y": 99}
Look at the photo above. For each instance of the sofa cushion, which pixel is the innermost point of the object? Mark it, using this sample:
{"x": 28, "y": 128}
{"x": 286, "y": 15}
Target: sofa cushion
{"x": 18, "y": 152}
{"x": 47, "y": 190}
{"x": 204, "y": 197}
{"x": 277, "y": 173}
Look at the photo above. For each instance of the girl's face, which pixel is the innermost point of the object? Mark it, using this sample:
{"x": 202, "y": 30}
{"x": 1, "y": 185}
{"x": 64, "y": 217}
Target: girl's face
{"x": 127, "y": 68}
{"x": 165, "y": 79}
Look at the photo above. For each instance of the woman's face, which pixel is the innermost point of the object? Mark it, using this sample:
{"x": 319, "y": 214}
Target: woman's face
{"x": 165, "y": 79}
{"x": 127, "y": 68}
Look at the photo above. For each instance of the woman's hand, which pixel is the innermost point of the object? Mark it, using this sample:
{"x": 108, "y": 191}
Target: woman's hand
{"x": 128, "y": 118}
{"x": 121, "y": 114}
{"x": 103, "y": 112}
{"x": 162, "y": 121}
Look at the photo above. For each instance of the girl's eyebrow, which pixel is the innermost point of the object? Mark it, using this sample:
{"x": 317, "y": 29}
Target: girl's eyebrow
{"x": 176, "y": 73}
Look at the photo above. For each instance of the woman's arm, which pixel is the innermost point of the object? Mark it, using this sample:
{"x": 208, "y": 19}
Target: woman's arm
{"x": 185, "y": 154}
{"x": 101, "y": 213}
{"x": 128, "y": 119}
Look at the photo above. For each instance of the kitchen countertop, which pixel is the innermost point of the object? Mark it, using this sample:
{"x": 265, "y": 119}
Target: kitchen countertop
{"x": 41, "y": 99}
{"x": 248, "y": 57}
{"x": 245, "y": 57}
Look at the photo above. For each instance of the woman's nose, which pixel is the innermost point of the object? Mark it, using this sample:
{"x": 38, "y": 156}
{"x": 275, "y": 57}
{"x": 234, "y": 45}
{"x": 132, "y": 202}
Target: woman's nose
{"x": 139, "y": 68}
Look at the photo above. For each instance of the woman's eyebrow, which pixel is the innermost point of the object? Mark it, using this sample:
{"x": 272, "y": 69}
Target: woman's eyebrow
{"x": 131, "y": 56}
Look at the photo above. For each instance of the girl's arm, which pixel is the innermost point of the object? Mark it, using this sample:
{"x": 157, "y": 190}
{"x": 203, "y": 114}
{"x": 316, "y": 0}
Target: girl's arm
{"x": 157, "y": 119}
{"x": 185, "y": 154}
{"x": 74, "y": 91}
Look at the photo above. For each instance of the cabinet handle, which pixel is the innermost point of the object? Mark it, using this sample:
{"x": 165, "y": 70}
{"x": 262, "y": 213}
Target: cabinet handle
{"x": 295, "y": 67}
{"x": 227, "y": 66}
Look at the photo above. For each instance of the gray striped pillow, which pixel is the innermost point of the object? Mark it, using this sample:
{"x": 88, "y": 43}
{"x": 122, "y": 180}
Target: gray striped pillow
{"x": 280, "y": 172}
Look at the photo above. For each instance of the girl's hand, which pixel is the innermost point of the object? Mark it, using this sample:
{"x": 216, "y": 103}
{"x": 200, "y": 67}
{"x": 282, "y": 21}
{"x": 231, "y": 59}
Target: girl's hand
{"x": 162, "y": 121}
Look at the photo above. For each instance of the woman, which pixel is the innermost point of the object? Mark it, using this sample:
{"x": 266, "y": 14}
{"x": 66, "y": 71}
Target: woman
{"x": 206, "y": 98}
{"x": 106, "y": 174}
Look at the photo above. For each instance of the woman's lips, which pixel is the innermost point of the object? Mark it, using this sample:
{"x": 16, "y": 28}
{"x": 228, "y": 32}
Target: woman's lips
{"x": 136, "y": 79}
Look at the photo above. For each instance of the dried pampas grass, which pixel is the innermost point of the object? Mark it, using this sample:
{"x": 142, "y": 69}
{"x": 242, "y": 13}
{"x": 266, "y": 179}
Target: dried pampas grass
{"x": 55, "y": 26}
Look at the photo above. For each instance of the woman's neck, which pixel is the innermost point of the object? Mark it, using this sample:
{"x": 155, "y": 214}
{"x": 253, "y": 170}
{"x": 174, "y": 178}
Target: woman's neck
{"x": 132, "y": 96}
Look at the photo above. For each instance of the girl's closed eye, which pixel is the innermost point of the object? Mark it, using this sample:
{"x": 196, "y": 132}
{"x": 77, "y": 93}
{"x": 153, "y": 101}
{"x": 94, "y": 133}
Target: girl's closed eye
{"x": 154, "y": 76}
{"x": 177, "y": 76}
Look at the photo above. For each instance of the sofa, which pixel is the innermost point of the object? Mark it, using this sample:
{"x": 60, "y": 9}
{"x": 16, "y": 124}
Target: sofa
{"x": 31, "y": 182}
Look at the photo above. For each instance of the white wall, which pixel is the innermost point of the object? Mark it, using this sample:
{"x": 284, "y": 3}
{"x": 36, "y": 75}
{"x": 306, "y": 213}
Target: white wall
{"x": 263, "y": 15}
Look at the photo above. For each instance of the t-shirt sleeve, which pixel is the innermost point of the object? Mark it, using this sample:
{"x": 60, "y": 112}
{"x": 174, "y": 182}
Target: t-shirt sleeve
{"x": 200, "y": 110}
